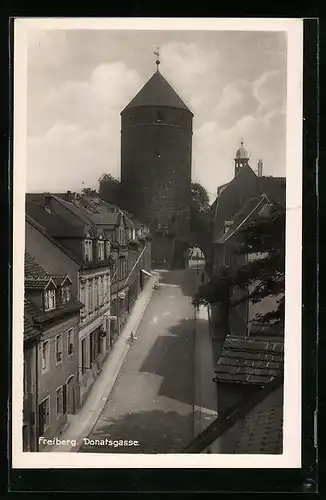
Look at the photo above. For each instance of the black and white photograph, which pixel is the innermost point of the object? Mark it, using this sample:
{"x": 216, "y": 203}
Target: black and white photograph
{"x": 157, "y": 228}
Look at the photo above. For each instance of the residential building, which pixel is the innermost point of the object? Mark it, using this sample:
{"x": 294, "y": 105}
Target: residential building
{"x": 130, "y": 244}
{"x": 51, "y": 390}
{"x": 32, "y": 336}
{"x": 237, "y": 202}
{"x": 75, "y": 242}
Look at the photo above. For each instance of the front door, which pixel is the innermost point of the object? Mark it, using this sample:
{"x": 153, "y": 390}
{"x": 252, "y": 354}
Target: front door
{"x": 71, "y": 395}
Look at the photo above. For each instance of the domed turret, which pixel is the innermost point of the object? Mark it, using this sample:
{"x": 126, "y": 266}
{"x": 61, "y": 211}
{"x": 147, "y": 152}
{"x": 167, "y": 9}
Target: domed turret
{"x": 242, "y": 153}
{"x": 241, "y": 159}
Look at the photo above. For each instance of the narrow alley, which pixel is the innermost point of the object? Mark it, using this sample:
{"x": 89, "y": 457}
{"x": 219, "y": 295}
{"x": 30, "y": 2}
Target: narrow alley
{"x": 152, "y": 400}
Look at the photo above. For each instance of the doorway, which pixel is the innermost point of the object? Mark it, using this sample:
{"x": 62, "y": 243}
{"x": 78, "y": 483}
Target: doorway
{"x": 70, "y": 394}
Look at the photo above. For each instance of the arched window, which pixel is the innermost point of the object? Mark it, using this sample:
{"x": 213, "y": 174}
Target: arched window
{"x": 159, "y": 116}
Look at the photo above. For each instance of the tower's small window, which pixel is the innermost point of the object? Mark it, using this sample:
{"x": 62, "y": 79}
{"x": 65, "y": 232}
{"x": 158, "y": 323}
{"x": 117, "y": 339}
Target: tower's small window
{"x": 159, "y": 117}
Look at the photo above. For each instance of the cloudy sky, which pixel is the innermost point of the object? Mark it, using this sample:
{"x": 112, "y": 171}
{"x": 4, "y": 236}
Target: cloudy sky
{"x": 79, "y": 81}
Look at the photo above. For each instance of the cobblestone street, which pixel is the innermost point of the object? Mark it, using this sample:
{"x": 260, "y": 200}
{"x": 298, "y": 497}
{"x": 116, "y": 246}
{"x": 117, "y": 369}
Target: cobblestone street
{"x": 152, "y": 401}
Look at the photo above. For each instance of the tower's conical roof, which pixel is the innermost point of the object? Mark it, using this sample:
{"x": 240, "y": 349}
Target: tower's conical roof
{"x": 157, "y": 92}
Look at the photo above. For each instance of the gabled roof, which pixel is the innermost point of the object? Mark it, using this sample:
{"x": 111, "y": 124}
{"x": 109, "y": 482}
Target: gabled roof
{"x": 56, "y": 225}
{"x": 246, "y": 360}
{"x": 260, "y": 432}
{"x": 56, "y": 243}
{"x": 32, "y": 268}
{"x": 35, "y": 283}
{"x": 157, "y": 92}
{"x": 253, "y": 425}
{"x": 37, "y": 278}
{"x": 274, "y": 187}
{"x": 251, "y": 207}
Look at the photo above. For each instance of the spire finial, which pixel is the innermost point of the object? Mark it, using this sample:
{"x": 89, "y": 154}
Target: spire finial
{"x": 241, "y": 141}
{"x": 157, "y": 54}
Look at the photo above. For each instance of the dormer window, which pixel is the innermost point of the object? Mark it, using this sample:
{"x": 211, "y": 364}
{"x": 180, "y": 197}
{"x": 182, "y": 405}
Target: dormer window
{"x": 227, "y": 225}
{"x": 65, "y": 294}
{"x": 100, "y": 250}
{"x": 88, "y": 250}
{"x": 49, "y": 299}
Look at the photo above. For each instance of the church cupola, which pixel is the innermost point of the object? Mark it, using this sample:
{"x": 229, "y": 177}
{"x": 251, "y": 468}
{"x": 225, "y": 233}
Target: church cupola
{"x": 241, "y": 159}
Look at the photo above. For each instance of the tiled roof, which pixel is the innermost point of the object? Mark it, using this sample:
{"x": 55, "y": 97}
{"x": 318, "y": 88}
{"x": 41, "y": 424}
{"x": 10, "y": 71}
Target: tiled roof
{"x": 55, "y": 242}
{"x": 37, "y": 278}
{"x": 260, "y": 432}
{"x": 41, "y": 317}
{"x": 250, "y": 208}
{"x": 274, "y": 187}
{"x": 33, "y": 283}
{"x": 30, "y": 331}
{"x": 252, "y": 425}
{"x": 57, "y": 226}
{"x": 245, "y": 360}
{"x": 157, "y": 92}
{"x": 32, "y": 268}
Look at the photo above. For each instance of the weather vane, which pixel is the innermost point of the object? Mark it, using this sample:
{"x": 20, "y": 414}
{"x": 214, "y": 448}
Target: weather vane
{"x": 157, "y": 54}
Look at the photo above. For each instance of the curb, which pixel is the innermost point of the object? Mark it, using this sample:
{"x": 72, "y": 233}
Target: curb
{"x": 113, "y": 375}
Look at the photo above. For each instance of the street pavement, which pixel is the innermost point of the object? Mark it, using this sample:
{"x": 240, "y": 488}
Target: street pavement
{"x": 152, "y": 401}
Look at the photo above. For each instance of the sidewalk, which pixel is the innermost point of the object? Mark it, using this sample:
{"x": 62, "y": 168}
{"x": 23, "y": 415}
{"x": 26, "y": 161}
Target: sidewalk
{"x": 205, "y": 408}
{"x": 81, "y": 424}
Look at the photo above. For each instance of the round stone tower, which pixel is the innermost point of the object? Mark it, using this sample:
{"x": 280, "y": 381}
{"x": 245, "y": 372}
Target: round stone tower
{"x": 156, "y": 147}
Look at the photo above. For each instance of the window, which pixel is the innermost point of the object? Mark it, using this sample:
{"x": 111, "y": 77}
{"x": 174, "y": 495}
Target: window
{"x": 108, "y": 248}
{"x": 83, "y": 355}
{"x": 49, "y": 299}
{"x": 70, "y": 342}
{"x": 58, "y": 349}
{"x": 45, "y": 355}
{"x": 95, "y": 291}
{"x": 82, "y": 298}
{"x": 122, "y": 236}
{"x": 90, "y": 297}
{"x": 227, "y": 225}
{"x": 100, "y": 291}
{"x": 44, "y": 415}
{"x": 100, "y": 250}
{"x": 65, "y": 294}
{"x": 59, "y": 401}
{"x": 159, "y": 117}
{"x": 88, "y": 250}
{"x": 91, "y": 347}
{"x": 123, "y": 268}
{"x": 105, "y": 289}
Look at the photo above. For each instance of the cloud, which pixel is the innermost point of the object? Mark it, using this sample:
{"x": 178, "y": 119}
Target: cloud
{"x": 77, "y": 128}
{"x": 77, "y": 89}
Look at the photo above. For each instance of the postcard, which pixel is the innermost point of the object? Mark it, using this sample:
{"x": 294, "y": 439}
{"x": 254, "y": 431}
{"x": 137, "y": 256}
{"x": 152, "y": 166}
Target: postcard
{"x": 157, "y": 173}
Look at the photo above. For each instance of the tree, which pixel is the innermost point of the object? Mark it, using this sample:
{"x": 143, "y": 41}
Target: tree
{"x": 110, "y": 189}
{"x": 262, "y": 240}
{"x": 89, "y": 192}
{"x": 199, "y": 207}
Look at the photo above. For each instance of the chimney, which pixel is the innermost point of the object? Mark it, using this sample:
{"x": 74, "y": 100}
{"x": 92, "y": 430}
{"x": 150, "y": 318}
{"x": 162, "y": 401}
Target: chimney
{"x": 260, "y": 168}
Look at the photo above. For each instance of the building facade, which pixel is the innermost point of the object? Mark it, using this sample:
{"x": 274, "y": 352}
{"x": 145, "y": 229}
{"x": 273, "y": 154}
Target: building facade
{"x": 51, "y": 390}
{"x": 244, "y": 197}
{"x": 84, "y": 248}
{"x": 156, "y": 153}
